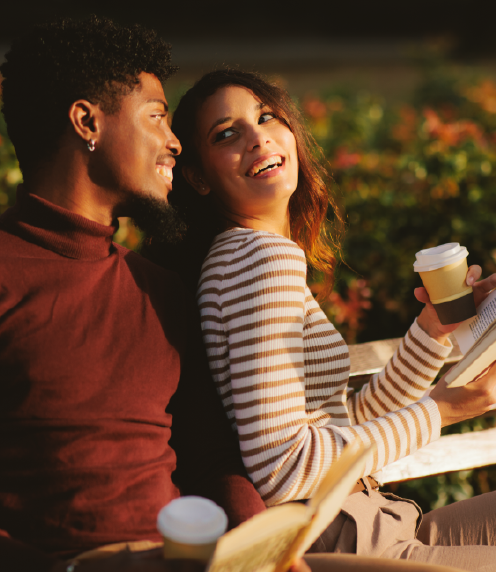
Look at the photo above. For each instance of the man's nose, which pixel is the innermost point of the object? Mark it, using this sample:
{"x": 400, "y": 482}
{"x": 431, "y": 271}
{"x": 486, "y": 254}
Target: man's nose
{"x": 173, "y": 144}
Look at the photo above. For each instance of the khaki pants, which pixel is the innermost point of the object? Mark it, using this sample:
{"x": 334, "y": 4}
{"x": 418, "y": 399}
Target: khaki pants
{"x": 462, "y": 535}
{"x": 354, "y": 563}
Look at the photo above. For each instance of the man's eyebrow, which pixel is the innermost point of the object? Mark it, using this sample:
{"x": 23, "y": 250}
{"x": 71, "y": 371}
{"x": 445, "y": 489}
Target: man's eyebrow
{"x": 164, "y": 103}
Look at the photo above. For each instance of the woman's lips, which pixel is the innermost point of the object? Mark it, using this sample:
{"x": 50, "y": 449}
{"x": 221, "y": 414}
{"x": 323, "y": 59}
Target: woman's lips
{"x": 265, "y": 166}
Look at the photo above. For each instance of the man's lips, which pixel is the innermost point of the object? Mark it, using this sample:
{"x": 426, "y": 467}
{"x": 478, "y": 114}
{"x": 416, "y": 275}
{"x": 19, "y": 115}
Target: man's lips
{"x": 264, "y": 165}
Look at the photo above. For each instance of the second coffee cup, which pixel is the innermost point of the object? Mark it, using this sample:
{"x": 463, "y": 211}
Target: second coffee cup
{"x": 190, "y": 527}
{"x": 443, "y": 270}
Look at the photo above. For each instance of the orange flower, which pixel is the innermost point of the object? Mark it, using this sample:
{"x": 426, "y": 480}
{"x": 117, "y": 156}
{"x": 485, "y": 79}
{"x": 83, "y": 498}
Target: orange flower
{"x": 315, "y": 108}
{"x": 451, "y": 133}
{"x": 344, "y": 159}
{"x": 445, "y": 189}
{"x": 483, "y": 94}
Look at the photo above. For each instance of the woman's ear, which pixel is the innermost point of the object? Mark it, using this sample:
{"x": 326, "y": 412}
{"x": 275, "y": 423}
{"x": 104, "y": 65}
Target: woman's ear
{"x": 194, "y": 178}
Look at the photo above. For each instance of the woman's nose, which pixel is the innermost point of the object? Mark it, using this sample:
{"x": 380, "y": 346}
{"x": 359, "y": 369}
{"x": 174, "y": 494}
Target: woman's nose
{"x": 257, "y": 138}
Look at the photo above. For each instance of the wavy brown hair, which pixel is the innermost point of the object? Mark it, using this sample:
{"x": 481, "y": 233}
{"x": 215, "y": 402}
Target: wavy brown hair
{"x": 309, "y": 206}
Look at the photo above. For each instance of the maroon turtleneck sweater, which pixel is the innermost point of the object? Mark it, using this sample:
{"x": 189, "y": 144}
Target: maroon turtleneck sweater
{"x": 93, "y": 342}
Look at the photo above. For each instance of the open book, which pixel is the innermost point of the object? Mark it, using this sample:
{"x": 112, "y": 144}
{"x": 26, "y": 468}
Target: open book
{"x": 270, "y": 541}
{"x": 476, "y": 361}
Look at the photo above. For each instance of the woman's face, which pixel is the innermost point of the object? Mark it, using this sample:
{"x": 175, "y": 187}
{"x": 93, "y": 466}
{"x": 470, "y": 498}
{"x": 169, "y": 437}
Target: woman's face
{"x": 249, "y": 158}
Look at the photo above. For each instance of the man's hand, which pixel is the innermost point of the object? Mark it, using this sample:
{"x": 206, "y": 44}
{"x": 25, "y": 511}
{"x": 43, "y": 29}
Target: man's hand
{"x": 127, "y": 561}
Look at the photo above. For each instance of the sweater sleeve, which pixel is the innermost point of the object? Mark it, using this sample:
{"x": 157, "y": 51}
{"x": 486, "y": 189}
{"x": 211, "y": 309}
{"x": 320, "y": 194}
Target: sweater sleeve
{"x": 252, "y": 302}
{"x": 404, "y": 380}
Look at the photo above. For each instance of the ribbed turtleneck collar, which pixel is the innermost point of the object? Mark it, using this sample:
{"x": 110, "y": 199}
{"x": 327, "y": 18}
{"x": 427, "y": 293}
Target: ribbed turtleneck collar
{"x": 57, "y": 229}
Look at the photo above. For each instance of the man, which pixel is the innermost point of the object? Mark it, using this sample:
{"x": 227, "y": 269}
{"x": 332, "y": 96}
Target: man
{"x": 94, "y": 338}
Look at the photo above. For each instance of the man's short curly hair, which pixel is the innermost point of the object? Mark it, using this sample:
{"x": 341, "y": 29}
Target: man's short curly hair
{"x": 58, "y": 63}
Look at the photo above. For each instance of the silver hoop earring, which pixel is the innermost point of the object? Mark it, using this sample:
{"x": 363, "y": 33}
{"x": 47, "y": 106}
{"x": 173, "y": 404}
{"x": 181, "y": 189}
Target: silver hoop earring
{"x": 91, "y": 145}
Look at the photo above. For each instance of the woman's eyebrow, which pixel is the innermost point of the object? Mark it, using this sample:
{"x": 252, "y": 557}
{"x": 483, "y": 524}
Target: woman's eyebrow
{"x": 218, "y": 122}
{"x": 222, "y": 120}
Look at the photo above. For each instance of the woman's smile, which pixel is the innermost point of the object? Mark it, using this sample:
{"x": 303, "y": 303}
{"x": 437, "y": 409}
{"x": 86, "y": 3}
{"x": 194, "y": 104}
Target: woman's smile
{"x": 266, "y": 167}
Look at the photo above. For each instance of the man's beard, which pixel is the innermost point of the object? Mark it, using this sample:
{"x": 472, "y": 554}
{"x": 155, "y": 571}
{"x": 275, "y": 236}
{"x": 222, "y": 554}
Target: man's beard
{"x": 156, "y": 218}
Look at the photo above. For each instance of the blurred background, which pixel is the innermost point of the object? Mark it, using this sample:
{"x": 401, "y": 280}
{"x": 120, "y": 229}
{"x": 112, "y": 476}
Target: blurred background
{"x": 402, "y": 98}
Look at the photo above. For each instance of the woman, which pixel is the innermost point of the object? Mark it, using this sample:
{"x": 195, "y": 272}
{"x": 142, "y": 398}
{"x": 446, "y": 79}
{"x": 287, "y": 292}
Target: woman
{"x": 249, "y": 177}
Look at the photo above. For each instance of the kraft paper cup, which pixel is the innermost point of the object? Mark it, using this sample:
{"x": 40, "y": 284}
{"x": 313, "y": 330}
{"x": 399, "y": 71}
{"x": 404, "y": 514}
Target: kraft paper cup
{"x": 443, "y": 270}
{"x": 191, "y": 527}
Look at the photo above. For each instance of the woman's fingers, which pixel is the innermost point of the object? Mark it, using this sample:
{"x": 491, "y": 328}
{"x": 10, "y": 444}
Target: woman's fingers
{"x": 482, "y": 288}
{"x": 421, "y": 295}
{"x": 473, "y": 274}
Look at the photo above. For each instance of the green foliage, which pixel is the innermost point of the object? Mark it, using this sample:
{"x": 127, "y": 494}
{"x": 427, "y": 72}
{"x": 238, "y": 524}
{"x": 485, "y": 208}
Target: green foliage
{"x": 409, "y": 176}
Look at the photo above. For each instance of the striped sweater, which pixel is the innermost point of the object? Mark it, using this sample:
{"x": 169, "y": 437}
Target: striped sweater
{"x": 282, "y": 370}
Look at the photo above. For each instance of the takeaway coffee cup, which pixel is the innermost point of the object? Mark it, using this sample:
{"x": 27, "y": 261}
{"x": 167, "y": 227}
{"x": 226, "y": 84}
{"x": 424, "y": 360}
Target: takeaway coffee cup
{"x": 191, "y": 527}
{"x": 443, "y": 270}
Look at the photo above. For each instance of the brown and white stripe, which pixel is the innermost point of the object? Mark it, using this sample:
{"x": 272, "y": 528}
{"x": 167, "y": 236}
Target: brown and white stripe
{"x": 282, "y": 370}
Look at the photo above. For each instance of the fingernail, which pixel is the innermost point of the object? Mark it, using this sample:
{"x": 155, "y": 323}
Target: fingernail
{"x": 470, "y": 281}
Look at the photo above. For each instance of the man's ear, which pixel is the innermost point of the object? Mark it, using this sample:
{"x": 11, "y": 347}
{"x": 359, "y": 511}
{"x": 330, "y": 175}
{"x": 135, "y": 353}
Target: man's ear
{"x": 85, "y": 118}
{"x": 194, "y": 178}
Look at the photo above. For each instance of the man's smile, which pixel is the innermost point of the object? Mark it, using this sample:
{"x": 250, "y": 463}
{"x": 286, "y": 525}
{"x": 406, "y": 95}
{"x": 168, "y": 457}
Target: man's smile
{"x": 164, "y": 171}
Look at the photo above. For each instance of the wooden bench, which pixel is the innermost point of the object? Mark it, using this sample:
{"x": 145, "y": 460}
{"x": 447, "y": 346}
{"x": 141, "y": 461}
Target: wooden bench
{"x": 450, "y": 452}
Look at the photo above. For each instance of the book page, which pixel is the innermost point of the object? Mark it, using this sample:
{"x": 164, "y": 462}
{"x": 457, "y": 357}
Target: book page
{"x": 472, "y": 329}
{"x": 271, "y": 540}
{"x": 477, "y": 359}
{"x": 334, "y": 489}
{"x": 262, "y": 542}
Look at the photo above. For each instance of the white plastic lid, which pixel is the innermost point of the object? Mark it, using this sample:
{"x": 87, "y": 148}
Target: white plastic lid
{"x": 192, "y": 520}
{"x": 439, "y": 256}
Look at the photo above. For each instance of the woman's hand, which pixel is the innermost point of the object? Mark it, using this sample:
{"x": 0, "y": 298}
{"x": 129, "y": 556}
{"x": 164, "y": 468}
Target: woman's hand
{"x": 461, "y": 403}
{"x": 428, "y": 319}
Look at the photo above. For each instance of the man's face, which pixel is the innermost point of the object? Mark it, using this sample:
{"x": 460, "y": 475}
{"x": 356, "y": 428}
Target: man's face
{"x": 136, "y": 146}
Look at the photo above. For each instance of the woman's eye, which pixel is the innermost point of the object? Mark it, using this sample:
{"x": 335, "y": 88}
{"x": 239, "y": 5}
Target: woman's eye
{"x": 159, "y": 116}
{"x": 266, "y": 117}
{"x": 224, "y": 134}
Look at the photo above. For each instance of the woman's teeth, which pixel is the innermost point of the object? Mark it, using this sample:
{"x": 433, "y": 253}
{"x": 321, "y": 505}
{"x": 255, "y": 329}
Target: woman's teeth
{"x": 267, "y": 165}
{"x": 164, "y": 171}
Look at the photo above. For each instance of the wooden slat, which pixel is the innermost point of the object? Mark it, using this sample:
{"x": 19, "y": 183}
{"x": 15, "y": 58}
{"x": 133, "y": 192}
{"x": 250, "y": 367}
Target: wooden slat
{"x": 369, "y": 358}
{"x": 447, "y": 454}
